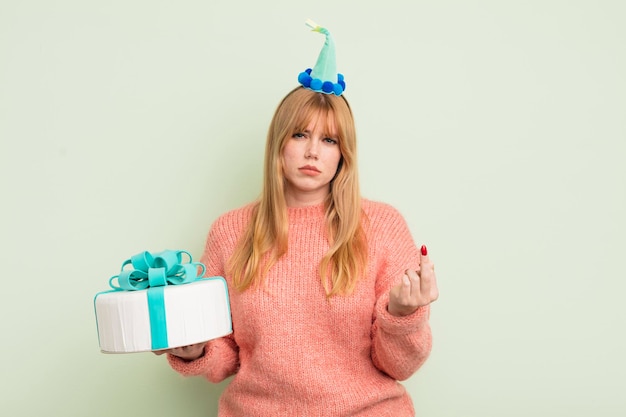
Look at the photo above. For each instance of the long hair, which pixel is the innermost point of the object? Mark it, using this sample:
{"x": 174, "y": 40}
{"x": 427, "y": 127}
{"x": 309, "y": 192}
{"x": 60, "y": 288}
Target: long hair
{"x": 266, "y": 238}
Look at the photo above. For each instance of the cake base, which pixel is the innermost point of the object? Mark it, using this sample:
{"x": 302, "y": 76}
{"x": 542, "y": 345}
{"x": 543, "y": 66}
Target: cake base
{"x": 193, "y": 313}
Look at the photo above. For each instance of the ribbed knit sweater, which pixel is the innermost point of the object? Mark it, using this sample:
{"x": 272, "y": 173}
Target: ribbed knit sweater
{"x": 293, "y": 352}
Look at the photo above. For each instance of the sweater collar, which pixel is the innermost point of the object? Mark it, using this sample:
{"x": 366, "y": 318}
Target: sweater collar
{"x": 306, "y": 213}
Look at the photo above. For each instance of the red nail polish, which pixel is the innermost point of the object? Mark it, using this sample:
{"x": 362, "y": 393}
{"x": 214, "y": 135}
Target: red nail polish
{"x": 424, "y": 250}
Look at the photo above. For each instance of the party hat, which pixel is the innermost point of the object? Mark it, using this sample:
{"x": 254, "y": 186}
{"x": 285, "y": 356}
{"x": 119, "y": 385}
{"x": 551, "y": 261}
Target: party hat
{"x": 324, "y": 77}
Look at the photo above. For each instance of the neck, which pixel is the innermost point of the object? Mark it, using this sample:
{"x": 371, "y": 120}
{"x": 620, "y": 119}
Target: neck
{"x": 303, "y": 202}
{"x": 304, "y": 199}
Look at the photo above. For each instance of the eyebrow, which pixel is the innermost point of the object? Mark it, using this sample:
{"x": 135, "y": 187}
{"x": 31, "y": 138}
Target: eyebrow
{"x": 325, "y": 134}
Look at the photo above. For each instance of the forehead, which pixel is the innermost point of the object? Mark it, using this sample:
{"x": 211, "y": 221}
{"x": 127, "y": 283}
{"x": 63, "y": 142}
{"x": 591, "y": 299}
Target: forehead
{"x": 319, "y": 120}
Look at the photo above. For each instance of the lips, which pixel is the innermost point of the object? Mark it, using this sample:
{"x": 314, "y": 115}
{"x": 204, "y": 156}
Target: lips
{"x": 309, "y": 169}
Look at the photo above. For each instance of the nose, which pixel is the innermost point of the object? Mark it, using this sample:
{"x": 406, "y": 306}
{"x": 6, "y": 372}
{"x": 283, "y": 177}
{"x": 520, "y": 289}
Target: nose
{"x": 312, "y": 150}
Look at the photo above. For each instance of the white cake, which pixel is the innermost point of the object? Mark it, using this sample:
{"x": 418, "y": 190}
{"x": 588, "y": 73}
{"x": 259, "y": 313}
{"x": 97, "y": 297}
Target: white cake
{"x": 193, "y": 313}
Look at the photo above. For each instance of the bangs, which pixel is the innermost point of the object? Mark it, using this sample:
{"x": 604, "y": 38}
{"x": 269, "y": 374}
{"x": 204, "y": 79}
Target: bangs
{"x": 320, "y": 115}
{"x": 303, "y": 108}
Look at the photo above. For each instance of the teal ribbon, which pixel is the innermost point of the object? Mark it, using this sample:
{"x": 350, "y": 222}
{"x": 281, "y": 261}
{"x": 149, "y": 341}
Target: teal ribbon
{"x": 154, "y": 272}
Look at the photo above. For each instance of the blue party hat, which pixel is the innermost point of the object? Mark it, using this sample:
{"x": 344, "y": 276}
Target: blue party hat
{"x": 324, "y": 77}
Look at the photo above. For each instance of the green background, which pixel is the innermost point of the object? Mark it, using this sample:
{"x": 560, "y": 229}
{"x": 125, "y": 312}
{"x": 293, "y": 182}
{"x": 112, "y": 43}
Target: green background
{"x": 496, "y": 127}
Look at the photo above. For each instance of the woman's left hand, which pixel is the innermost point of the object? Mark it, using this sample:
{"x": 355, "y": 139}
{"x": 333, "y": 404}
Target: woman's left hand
{"x": 417, "y": 289}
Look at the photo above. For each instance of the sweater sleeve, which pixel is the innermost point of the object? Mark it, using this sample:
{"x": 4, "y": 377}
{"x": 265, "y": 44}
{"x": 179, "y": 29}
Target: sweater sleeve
{"x": 220, "y": 360}
{"x": 400, "y": 345}
{"x": 221, "y": 356}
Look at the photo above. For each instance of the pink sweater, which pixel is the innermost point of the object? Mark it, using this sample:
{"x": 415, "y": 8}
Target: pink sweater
{"x": 293, "y": 353}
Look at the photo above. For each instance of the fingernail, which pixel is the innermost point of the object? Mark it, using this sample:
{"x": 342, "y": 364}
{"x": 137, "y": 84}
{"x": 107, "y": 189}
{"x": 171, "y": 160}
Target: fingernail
{"x": 406, "y": 281}
{"x": 424, "y": 250}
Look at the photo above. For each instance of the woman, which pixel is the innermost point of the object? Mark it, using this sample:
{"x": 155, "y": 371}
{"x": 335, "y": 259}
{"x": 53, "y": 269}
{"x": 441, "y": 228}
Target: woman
{"x": 329, "y": 294}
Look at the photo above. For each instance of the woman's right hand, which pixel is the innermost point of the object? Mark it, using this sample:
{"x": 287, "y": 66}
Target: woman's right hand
{"x": 188, "y": 353}
{"x": 417, "y": 288}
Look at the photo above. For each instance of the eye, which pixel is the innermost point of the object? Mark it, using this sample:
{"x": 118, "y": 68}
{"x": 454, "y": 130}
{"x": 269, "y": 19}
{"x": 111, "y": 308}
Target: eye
{"x": 330, "y": 140}
{"x": 298, "y": 135}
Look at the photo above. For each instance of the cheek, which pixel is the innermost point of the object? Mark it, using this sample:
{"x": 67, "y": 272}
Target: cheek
{"x": 335, "y": 157}
{"x": 289, "y": 150}
{"x": 289, "y": 159}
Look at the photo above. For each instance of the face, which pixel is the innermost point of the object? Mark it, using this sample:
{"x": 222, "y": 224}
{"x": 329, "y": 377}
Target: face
{"x": 310, "y": 161}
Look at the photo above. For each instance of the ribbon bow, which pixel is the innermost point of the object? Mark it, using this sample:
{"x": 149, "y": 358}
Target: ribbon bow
{"x": 156, "y": 270}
